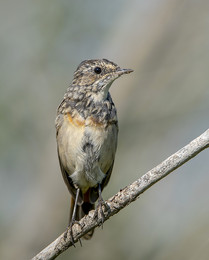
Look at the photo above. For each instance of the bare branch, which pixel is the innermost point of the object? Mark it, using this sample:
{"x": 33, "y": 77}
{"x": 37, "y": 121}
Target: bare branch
{"x": 127, "y": 195}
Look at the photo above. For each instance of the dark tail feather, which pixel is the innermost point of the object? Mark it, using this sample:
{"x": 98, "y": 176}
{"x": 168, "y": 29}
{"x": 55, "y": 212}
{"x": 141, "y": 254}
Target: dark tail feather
{"x": 81, "y": 211}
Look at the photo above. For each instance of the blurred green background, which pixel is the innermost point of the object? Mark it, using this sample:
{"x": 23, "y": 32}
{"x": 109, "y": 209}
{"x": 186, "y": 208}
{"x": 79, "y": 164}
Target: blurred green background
{"x": 162, "y": 106}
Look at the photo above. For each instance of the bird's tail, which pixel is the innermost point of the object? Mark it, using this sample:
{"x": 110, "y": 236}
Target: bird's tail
{"x": 81, "y": 211}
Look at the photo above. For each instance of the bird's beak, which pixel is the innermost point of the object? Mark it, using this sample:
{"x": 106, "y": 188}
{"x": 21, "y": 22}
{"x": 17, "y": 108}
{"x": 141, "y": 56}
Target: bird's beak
{"x": 123, "y": 71}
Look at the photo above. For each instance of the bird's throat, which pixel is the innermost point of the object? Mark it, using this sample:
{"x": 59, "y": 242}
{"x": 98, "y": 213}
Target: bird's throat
{"x": 102, "y": 94}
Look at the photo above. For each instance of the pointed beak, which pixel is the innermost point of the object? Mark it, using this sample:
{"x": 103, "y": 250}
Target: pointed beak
{"x": 123, "y": 71}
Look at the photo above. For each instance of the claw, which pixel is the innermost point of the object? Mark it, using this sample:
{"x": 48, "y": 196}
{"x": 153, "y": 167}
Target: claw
{"x": 70, "y": 230}
{"x": 99, "y": 206}
{"x": 72, "y": 222}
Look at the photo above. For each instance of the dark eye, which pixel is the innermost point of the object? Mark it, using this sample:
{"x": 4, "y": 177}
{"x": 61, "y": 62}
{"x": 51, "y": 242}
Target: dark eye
{"x": 97, "y": 70}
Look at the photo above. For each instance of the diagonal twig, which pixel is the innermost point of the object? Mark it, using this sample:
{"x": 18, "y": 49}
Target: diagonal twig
{"x": 127, "y": 195}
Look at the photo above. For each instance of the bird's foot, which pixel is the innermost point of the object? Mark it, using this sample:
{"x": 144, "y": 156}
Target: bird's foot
{"x": 99, "y": 210}
{"x": 69, "y": 231}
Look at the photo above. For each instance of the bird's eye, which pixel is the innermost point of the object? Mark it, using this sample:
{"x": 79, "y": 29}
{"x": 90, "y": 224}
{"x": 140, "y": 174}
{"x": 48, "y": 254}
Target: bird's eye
{"x": 97, "y": 70}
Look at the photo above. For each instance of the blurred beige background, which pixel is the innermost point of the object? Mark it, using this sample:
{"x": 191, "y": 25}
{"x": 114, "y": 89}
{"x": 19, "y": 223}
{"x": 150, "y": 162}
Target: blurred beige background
{"x": 162, "y": 106}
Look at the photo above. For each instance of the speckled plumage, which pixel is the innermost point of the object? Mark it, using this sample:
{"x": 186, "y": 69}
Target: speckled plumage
{"x": 87, "y": 130}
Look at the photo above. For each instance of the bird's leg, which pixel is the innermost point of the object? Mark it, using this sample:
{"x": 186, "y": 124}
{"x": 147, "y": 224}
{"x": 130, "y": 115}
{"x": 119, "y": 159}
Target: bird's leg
{"x": 101, "y": 203}
{"x": 73, "y": 220}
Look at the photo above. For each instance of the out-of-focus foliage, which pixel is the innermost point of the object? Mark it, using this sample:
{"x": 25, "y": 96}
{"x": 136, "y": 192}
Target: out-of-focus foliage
{"x": 161, "y": 107}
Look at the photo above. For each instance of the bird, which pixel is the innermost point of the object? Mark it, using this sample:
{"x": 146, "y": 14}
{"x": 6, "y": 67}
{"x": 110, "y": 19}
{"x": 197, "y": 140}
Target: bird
{"x": 86, "y": 133}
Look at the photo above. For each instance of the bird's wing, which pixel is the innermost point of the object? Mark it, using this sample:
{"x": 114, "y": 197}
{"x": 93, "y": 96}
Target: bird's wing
{"x": 65, "y": 172}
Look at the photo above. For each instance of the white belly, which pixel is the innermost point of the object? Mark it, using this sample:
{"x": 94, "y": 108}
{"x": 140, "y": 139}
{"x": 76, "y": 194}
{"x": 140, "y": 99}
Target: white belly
{"x": 87, "y": 152}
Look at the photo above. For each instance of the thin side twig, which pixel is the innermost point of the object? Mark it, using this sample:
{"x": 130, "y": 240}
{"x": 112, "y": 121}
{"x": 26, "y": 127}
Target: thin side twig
{"x": 127, "y": 195}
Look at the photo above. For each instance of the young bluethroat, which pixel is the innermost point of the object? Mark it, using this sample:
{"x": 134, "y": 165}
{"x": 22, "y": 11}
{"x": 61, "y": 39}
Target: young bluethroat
{"x": 87, "y": 131}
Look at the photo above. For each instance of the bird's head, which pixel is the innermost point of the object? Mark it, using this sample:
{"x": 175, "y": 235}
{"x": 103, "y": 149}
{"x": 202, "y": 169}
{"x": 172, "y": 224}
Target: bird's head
{"x": 96, "y": 76}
